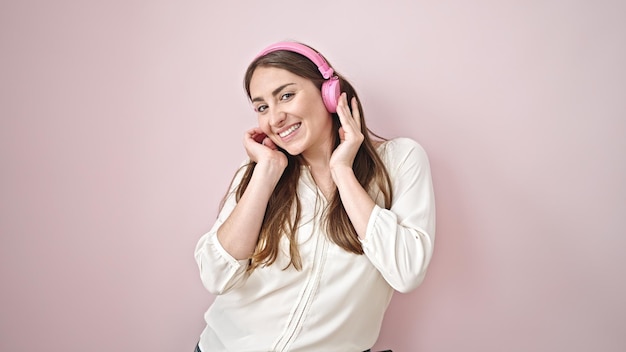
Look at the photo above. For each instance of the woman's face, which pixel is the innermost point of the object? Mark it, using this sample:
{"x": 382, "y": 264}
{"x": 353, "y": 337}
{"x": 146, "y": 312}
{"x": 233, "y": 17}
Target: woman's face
{"x": 291, "y": 112}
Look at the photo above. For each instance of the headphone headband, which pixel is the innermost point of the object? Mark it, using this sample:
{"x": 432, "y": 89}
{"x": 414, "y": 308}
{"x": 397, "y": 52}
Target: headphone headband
{"x": 330, "y": 88}
{"x": 304, "y": 50}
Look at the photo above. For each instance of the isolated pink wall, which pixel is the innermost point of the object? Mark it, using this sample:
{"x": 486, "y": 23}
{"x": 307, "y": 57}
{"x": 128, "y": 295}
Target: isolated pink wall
{"x": 121, "y": 122}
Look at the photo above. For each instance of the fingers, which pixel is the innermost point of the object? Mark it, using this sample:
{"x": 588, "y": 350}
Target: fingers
{"x": 356, "y": 113}
{"x": 255, "y": 134}
{"x": 269, "y": 143}
{"x": 342, "y": 134}
{"x": 349, "y": 119}
{"x": 255, "y": 137}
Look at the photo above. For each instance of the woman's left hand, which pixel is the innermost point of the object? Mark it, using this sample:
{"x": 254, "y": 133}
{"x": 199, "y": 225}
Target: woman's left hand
{"x": 349, "y": 133}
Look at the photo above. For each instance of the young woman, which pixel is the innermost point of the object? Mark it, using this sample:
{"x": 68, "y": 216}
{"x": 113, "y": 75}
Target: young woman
{"x": 321, "y": 224}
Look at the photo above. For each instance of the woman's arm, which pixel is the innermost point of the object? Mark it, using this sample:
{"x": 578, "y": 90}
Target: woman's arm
{"x": 355, "y": 199}
{"x": 222, "y": 254}
{"x": 239, "y": 233}
{"x": 399, "y": 241}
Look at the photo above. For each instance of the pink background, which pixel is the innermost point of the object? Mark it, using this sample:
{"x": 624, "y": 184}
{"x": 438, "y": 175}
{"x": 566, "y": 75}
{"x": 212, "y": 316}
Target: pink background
{"x": 121, "y": 125}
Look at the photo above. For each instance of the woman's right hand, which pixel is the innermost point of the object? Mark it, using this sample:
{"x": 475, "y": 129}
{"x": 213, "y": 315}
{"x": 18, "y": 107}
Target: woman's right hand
{"x": 261, "y": 149}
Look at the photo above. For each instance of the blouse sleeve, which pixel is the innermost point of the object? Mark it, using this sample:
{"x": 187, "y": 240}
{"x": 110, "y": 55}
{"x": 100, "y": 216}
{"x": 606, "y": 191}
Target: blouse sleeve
{"x": 219, "y": 271}
{"x": 399, "y": 241}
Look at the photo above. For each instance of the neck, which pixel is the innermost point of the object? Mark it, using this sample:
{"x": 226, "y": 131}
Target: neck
{"x": 318, "y": 157}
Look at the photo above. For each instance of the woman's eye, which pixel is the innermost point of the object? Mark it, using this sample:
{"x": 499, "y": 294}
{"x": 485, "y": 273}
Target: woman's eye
{"x": 261, "y": 108}
{"x": 286, "y": 96}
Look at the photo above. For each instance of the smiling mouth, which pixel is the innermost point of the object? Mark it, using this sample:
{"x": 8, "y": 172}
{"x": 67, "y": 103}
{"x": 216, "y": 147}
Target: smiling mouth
{"x": 290, "y": 130}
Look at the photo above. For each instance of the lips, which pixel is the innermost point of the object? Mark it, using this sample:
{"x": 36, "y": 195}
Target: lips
{"x": 290, "y": 130}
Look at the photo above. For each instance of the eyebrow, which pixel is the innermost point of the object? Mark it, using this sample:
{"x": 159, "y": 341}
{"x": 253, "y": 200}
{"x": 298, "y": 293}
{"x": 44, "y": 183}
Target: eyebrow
{"x": 274, "y": 92}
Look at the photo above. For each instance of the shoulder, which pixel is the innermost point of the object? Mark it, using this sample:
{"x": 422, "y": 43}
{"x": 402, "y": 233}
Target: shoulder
{"x": 401, "y": 142}
{"x": 404, "y": 157}
{"x": 397, "y": 150}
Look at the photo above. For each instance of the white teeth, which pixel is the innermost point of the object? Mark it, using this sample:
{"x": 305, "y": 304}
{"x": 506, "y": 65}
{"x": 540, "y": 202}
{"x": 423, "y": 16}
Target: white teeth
{"x": 289, "y": 131}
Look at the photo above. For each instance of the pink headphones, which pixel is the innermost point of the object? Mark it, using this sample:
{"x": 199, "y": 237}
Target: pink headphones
{"x": 330, "y": 88}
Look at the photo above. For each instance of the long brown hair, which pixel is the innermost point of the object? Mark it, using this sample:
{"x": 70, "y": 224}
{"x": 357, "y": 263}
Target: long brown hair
{"x": 282, "y": 215}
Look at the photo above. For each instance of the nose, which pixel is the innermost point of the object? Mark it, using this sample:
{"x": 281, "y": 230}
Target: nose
{"x": 277, "y": 117}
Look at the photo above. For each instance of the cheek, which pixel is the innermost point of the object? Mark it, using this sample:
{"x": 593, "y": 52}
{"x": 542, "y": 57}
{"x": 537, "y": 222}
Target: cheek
{"x": 264, "y": 125}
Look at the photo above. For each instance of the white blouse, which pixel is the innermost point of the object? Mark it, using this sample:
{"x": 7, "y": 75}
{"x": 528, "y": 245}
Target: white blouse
{"x": 336, "y": 302}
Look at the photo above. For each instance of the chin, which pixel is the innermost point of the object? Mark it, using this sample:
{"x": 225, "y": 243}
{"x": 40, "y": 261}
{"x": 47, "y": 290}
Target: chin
{"x": 293, "y": 151}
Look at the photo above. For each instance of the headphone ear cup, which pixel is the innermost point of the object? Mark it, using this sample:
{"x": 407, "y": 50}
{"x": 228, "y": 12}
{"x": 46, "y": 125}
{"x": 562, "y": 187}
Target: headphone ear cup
{"x": 331, "y": 91}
